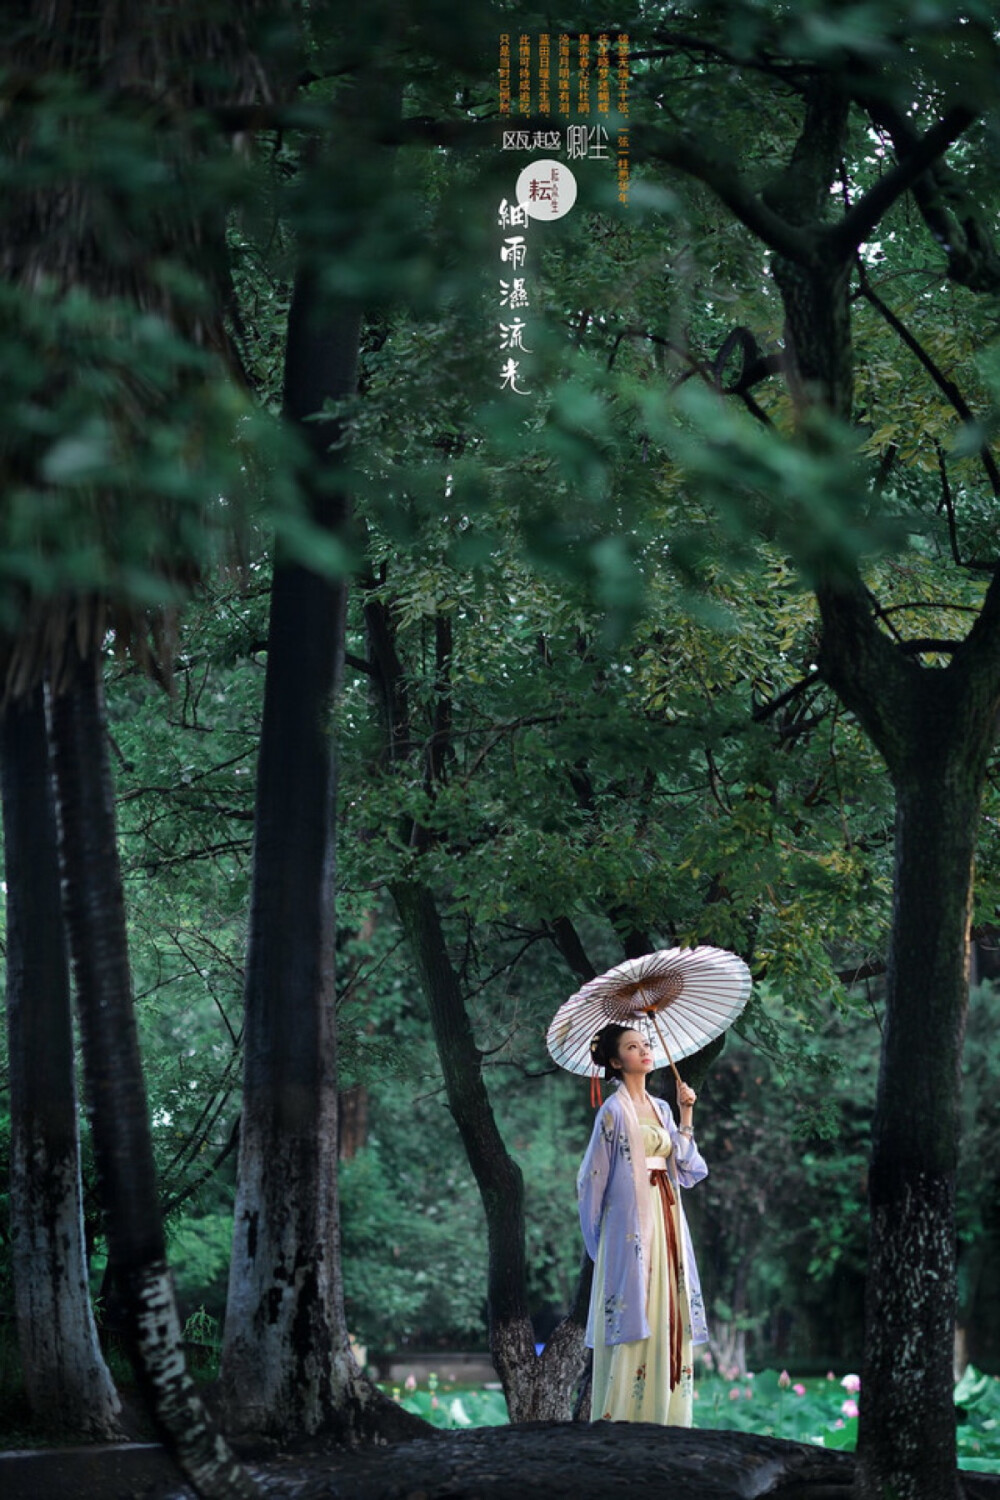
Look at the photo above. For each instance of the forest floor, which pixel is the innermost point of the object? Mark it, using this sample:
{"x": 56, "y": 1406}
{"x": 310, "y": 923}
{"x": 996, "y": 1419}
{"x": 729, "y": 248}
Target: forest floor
{"x": 581, "y": 1461}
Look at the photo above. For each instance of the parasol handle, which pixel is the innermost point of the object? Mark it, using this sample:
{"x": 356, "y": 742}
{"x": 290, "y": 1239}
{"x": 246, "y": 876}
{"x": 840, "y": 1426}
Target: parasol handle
{"x": 673, "y": 1066}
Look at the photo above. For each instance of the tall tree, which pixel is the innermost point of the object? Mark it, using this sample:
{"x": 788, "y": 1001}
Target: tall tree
{"x": 933, "y": 722}
{"x": 119, "y": 1116}
{"x": 94, "y": 521}
{"x": 66, "y": 1379}
{"x": 287, "y": 1364}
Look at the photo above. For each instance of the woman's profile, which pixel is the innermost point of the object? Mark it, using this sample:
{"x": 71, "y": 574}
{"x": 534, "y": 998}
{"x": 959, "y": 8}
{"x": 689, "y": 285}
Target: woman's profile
{"x": 646, "y": 1308}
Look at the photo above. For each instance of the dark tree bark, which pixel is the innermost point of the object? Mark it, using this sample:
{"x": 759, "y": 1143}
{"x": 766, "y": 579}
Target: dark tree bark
{"x": 287, "y": 1365}
{"x": 352, "y": 1121}
{"x": 352, "y": 1102}
{"x": 116, "y": 1098}
{"x": 66, "y": 1379}
{"x": 935, "y": 728}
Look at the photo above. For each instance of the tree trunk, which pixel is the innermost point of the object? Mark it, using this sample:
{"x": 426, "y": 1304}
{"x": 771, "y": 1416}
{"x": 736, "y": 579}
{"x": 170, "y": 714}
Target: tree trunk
{"x": 935, "y": 728}
{"x": 287, "y": 1366}
{"x": 536, "y": 1388}
{"x": 116, "y": 1099}
{"x": 68, "y": 1385}
{"x": 907, "y": 1434}
{"x": 352, "y": 1121}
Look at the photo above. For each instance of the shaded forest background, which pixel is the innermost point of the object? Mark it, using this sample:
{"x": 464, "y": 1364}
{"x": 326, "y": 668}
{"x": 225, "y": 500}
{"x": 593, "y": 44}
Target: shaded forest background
{"x": 784, "y": 1114}
{"x": 599, "y": 690}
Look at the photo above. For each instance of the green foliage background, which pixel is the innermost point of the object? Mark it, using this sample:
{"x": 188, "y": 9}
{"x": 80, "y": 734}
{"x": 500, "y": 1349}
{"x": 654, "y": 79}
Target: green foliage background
{"x": 639, "y": 740}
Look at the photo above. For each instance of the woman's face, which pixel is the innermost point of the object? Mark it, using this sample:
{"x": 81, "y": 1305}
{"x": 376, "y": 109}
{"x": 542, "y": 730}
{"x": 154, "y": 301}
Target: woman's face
{"x": 634, "y": 1054}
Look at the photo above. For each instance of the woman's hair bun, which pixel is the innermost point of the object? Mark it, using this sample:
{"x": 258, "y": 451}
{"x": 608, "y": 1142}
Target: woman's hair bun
{"x": 604, "y": 1046}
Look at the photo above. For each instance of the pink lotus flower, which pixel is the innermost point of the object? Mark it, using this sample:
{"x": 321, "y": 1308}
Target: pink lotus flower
{"x": 850, "y": 1408}
{"x": 799, "y": 1390}
{"x": 830, "y": 1375}
{"x": 851, "y": 1384}
{"x": 748, "y": 1393}
{"x": 410, "y": 1382}
{"x": 784, "y": 1380}
{"x": 734, "y": 1394}
{"x": 839, "y": 1422}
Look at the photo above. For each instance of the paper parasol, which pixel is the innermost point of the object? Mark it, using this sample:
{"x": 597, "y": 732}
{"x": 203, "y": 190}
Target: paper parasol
{"x": 681, "y": 997}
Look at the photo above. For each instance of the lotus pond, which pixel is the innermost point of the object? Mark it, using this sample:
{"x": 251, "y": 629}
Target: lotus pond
{"x": 822, "y": 1411}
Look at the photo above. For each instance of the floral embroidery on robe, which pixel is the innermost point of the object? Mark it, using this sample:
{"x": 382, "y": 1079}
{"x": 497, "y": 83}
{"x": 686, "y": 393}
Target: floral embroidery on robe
{"x": 608, "y": 1201}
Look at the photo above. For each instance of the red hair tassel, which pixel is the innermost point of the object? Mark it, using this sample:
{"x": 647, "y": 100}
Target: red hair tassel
{"x": 595, "y": 1091}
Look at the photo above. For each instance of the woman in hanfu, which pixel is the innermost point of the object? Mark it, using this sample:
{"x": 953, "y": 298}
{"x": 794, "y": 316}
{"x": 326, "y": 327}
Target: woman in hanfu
{"x": 646, "y": 1308}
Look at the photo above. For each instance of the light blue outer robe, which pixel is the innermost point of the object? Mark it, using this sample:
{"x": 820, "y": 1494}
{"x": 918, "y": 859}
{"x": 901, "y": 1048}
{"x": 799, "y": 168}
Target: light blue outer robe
{"x": 607, "y": 1195}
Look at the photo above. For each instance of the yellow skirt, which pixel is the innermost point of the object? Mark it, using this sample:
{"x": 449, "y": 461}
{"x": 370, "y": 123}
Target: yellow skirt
{"x": 631, "y": 1382}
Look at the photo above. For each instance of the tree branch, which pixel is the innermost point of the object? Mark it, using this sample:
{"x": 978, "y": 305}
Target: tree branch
{"x": 174, "y": 1202}
{"x": 979, "y": 653}
{"x": 763, "y": 711}
{"x": 954, "y": 218}
{"x": 869, "y": 674}
{"x": 947, "y": 387}
{"x": 921, "y": 644}
{"x": 974, "y": 564}
{"x": 920, "y": 155}
{"x": 683, "y": 153}
{"x": 870, "y": 970}
{"x": 791, "y": 75}
{"x": 567, "y": 940}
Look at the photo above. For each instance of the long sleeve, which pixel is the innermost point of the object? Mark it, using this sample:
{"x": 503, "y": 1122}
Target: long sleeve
{"x": 592, "y": 1179}
{"x": 691, "y": 1165}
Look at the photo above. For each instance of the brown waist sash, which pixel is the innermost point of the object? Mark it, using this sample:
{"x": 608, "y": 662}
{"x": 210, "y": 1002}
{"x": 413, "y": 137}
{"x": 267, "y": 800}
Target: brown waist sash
{"x": 659, "y": 1180}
